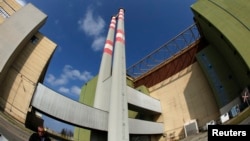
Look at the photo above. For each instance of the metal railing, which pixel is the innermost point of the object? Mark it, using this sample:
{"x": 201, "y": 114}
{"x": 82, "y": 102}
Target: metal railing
{"x": 165, "y": 52}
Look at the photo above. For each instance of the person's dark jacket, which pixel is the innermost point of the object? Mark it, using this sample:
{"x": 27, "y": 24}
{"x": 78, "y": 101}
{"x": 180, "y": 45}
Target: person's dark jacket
{"x": 35, "y": 137}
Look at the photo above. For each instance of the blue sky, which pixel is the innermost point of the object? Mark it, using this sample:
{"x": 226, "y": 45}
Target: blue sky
{"x": 79, "y": 28}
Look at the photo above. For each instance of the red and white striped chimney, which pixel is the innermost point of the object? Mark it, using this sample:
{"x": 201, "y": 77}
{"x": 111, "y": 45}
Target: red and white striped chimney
{"x": 102, "y": 94}
{"x": 118, "y": 110}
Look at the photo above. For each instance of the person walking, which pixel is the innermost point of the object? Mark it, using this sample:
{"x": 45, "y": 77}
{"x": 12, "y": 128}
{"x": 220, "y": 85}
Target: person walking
{"x": 40, "y": 135}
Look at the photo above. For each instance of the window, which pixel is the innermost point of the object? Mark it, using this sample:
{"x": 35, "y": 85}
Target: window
{"x": 4, "y": 13}
{"x": 34, "y": 39}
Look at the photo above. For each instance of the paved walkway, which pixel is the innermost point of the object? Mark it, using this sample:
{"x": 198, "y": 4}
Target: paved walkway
{"x": 13, "y": 130}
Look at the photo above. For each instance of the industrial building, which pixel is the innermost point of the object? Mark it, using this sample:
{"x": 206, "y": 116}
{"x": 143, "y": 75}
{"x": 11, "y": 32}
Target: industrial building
{"x": 197, "y": 77}
{"x": 24, "y": 56}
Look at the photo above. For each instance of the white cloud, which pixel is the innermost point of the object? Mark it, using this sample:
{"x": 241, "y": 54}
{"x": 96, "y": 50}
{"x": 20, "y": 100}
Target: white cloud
{"x": 71, "y": 73}
{"x": 64, "y": 90}
{"x": 75, "y": 90}
{"x": 21, "y": 2}
{"x": 93, "y": 26}
{"x": 98, "y": 43}
{"x": 85, "y": 76}
{"x": 68, "y": 75}
{"x": 52, "y": 80}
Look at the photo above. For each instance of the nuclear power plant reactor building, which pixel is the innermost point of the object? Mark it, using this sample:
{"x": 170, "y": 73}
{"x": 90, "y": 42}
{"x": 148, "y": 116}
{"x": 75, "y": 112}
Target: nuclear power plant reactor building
{"x": 195, "y": 79}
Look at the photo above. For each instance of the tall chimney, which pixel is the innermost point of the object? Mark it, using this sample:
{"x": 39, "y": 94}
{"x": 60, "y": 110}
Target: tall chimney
{"x": 102, "y": 94}
{"x": 118, "y": 110}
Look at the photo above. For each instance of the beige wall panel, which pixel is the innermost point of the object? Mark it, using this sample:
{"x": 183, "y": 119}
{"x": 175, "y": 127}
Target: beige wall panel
{"x": 8, "y": 86}
{"x": 15, "y": 113}
{"x": 2, "y": 19}
{"x": 32, "y": 60}
{"x": 7, "y": 8}
{"x": 16, "y": 6}
{"x": 159, "y": 119}
{"x": 185, "y": 96}
{"x": 155, "y": 95}
{"x": 20, "y": 81}
{"x": 169, "y": 80}
{"x": 17, "y": 93}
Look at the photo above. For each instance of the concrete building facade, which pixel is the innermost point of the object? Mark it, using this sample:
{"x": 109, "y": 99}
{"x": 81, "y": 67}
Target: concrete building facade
{"x": 24, "y": 56}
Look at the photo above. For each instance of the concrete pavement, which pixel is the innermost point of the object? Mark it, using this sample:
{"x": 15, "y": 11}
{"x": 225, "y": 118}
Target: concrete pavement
{"x": 12, "y": 130}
